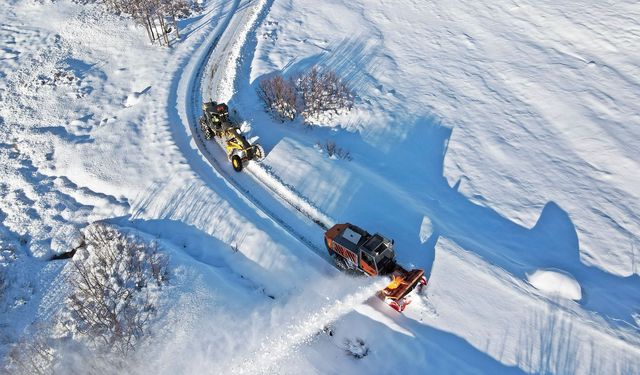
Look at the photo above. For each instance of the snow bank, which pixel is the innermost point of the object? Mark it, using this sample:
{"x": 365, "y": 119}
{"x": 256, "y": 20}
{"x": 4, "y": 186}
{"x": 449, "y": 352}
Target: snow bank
{"x": 426, "y": 229}
{"x": 309, "y": 177}
{"x": 556, "y": 283}
{"x": 133, "y": 99}
{"x": 224, "y": 71}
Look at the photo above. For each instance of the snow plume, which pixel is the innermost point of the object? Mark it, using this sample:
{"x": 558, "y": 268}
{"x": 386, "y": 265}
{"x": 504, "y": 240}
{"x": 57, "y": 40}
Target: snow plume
{"x": 259, "y": 340}
{"x": 301, "y": 326}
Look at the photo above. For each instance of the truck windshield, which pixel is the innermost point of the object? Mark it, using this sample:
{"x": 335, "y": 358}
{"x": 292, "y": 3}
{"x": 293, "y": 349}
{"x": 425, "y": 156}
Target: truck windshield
{"x": 375, "y": 245}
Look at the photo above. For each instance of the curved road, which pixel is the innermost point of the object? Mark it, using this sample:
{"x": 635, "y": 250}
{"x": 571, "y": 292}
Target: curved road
{"x": 218, "y": 62}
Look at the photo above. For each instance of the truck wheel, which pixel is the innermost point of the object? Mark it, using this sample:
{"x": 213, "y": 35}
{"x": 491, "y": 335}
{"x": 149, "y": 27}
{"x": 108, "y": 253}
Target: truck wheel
{"x": 259, "y": 152}
{"x": 340, "y": 263}
{"x": 205, "y": 129}
{"x": 236, "y": 162}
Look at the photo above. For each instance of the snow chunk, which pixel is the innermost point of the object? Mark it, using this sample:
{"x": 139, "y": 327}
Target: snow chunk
{"x": 553, "y": 282}
{"x": 135, "y": 97}
{"x": 132, "y": 99}
{"x": 426, "y": 229}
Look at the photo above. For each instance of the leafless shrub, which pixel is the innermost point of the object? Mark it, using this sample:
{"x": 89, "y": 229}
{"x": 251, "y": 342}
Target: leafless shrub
{"x": 44, "y": 354}
{"x": 332, "y": 149}
{"x": 317, "y": 95}
{"x": 31, "y": 354}
{"x": 7, "y": 257}
{"x": 3, "y": 283}
{"x": 279, "y": 96}
{"x": 356, "y": 348}
{"x": 323, "y": 94}
{"x": 111, "y": 302}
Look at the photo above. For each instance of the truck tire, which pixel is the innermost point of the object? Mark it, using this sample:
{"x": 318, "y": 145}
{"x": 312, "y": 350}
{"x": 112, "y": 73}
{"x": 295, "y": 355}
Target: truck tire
{"x": 340, "y": 262}
{"x": 236, "y": 163}
{"x": 259, "y": 152}
{"x": 205, "y": 129}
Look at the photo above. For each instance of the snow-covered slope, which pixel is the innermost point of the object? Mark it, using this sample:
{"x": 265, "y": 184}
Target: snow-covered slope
{"x": 461, "y": 147}
{"x": 432, "y": 116}
{"x": 548, "y": 112}
{"x": 74, "y": 159}
{"x": 540, "y": 100}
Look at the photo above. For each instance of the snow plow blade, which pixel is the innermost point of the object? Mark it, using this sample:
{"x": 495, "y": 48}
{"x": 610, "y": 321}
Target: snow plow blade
{"x": 403, "y": 282}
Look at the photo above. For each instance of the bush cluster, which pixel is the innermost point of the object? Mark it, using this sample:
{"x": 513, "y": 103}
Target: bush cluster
{"x": 316, "y": 95}
{"x": 333, "y": 150}
{"x": 114, "y": 283}
{"x": 110, "y": 303}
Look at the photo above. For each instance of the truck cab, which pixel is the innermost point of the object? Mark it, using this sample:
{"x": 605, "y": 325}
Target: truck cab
{"x": 215, "y": 113}
{"x": 356, "y": 249}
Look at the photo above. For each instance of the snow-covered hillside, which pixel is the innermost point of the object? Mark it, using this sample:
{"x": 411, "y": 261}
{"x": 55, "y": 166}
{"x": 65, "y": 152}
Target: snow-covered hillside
{"x": 496, "y": 143}
{"x": 445, "y": 131}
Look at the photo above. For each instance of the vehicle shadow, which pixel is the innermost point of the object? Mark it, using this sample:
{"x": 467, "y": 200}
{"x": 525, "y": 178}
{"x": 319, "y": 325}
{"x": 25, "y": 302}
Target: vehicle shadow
{"x": 551, "y": 243}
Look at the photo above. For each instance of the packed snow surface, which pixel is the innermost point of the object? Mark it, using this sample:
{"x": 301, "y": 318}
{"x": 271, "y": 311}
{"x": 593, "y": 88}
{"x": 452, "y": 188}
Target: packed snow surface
{"x": 495, "y": 142}
{"x": 556, "y": 283}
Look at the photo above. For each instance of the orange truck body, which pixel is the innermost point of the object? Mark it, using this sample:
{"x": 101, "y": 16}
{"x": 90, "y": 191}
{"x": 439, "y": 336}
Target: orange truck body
{"x": 353, "y": 248}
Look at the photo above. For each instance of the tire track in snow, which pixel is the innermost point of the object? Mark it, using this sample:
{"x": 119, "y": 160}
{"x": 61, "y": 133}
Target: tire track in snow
{"x": 260, "y": 9}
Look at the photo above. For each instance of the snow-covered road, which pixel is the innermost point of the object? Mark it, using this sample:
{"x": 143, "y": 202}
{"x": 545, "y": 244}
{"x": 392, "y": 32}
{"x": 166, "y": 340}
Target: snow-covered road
{"x": 95, "y": 124}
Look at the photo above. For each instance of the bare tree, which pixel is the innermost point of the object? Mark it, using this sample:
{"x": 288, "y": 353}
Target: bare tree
{"x": 179, "y": 9}
{"x": 279, "y": 96}
{"x": 151, "y": 14}
{"x": 110, "y": 304}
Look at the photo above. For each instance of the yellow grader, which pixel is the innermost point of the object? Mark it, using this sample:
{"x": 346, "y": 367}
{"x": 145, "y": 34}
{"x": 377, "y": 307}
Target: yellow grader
{"x": 215, "y": 123}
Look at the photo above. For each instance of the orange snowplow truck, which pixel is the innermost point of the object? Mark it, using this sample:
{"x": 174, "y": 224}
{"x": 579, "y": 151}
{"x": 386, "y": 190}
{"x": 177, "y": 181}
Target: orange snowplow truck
{"x": 353, "y": 248}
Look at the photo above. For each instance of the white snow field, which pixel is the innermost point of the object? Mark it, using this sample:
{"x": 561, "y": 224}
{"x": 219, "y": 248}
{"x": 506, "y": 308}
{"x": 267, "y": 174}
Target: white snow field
{"x": 496, "y": 143}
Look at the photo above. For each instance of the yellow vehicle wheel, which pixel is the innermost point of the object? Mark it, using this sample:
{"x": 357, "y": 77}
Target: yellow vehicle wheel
{"x": 258, "y": 152}
{"x": 236, "y": 162}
